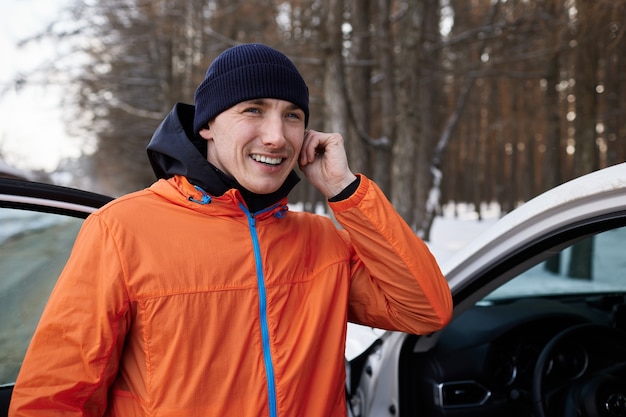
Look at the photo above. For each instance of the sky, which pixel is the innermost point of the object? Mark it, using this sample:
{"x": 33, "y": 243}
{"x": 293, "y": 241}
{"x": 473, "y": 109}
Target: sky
{"x": 32, "y": 133}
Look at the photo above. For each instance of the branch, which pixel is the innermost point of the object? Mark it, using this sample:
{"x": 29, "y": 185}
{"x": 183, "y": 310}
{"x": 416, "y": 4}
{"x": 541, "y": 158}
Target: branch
{"x": 434, "y": 194}
{"x": 452, "y": 122}
{"x": 146, "y": 114}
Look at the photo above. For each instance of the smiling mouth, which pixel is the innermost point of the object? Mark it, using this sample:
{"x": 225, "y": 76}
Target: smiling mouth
{"x": 266, "y": 159}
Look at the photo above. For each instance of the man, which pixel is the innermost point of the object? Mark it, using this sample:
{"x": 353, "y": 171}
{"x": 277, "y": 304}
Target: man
{"x": 203, "y": 295}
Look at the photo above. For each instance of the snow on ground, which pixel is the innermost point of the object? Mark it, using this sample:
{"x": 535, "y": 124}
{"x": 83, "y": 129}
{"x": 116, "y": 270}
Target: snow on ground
{"x": 17, "y": 222}
{"x": 457, "y": 226}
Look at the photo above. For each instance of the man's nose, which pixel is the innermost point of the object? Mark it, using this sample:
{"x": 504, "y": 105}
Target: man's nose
{"x": 273, "y": 132}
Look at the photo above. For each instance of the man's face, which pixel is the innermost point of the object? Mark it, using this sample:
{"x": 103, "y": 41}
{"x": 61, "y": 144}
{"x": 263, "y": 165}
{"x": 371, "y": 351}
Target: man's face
{"x": 257, "y": 142}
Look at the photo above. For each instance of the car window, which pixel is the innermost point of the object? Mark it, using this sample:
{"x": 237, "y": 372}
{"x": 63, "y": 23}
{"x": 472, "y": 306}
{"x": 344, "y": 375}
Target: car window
{"x": 34, "y": 247}
{"x": 594, "y": 265}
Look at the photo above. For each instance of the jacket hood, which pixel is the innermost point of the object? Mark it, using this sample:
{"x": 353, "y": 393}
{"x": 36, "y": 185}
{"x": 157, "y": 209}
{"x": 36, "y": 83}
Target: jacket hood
{"x": 175, "y": 150}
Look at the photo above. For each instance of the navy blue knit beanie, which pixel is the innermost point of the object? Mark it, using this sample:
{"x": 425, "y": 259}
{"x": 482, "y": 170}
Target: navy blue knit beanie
{"x": 246, "y": 72}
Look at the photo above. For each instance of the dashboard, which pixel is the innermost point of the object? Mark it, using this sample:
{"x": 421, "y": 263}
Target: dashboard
{"x": 488, "y": 361}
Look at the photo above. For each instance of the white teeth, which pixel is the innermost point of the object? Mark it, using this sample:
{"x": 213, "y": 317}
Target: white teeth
{"x": 267, "y": 160}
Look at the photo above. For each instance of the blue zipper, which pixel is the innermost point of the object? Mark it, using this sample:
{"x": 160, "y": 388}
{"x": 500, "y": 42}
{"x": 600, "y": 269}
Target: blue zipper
{"x": 265, "y": 334}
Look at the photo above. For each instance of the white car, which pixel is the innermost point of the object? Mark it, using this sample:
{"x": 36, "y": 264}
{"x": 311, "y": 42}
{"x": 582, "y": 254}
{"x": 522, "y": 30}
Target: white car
{"x": 523, "y": 341}
{"x": 539, "y": 325}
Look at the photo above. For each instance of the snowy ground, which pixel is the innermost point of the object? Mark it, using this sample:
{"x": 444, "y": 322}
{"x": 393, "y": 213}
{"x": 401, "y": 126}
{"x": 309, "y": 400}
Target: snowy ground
{"x": 457, "y": 226}
{"x": 17, "y": 222}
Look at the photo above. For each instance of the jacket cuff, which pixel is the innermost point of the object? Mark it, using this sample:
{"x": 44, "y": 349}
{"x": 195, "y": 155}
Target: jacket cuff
{"x": 354, "y": 198}
{"x": 347, "y": 192}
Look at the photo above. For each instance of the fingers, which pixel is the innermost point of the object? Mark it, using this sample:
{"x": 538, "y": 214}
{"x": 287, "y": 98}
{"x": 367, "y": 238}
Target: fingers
{"x": 324, "y": 162}
{"x": 309, "y": 146}
{"x": 315, "y": 145}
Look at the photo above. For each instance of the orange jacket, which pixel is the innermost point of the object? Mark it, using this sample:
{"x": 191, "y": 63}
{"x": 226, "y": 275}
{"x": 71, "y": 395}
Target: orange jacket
{"x": 176, "y": 303}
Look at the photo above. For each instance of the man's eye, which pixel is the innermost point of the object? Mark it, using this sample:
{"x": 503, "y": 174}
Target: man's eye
{"x": 294, "y": 115}
{"x": 252, "y": 110}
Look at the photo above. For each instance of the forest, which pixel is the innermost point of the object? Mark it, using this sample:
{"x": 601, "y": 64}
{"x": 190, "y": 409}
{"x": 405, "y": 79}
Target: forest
{"x": 439, "y": 101}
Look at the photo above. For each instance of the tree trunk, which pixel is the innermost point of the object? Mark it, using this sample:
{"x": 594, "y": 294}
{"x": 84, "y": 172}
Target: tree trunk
{"x": 359, "y": 74}
{"x": 409, "y": 123}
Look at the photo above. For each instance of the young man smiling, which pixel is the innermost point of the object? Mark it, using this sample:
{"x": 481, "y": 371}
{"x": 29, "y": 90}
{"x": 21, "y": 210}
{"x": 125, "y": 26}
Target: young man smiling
{"x": 203, "y": 295}
{"x": 258, "y": 142}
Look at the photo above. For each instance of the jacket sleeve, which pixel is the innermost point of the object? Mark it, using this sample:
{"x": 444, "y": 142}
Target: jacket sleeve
{"x": 396, "y": 282}
{"x": 74, "y": 354}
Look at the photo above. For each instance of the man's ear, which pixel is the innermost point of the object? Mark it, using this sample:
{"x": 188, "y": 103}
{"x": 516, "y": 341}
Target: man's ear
{"x": 205, "y": 133}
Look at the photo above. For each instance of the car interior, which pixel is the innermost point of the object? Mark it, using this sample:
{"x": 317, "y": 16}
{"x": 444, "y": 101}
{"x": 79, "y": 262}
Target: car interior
{"x": 545, "y": 343}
